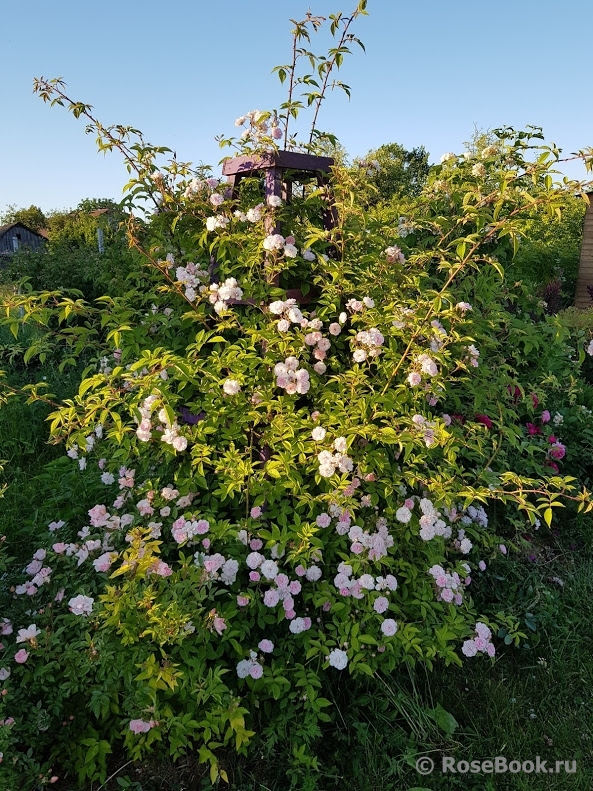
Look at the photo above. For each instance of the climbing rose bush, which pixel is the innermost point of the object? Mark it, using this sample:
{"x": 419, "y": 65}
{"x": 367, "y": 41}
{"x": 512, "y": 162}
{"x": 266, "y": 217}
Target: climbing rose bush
{"x": 283, "y": 490}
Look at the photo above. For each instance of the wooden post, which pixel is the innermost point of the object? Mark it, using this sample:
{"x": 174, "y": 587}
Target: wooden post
{"x": 585, "y": 278}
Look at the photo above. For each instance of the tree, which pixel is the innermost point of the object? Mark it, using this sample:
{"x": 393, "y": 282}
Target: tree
{"x": 78, "y": 228}
{"x": 394, "y": 172}
{"x": 32, "y": 217}
{"x": 550, "y": 249}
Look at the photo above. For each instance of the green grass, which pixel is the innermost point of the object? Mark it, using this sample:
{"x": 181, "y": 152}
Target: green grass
{"x": 24, "y": 441}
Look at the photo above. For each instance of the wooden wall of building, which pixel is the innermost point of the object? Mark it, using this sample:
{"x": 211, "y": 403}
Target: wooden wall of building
{"x": 585, "y": 278}
{"x": 25, "y": 239}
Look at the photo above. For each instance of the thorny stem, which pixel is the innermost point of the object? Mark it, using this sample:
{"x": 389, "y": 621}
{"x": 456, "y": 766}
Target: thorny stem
{"x": 291, "y": 84}
{"x": 44, "y": 86}
{"x": 21, "y": 392}
{"x": 328, "y": 69}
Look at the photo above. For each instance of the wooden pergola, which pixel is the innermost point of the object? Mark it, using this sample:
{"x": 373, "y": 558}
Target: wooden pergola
{"x": 279, "y": 170}
{"x": 584, "y": 298}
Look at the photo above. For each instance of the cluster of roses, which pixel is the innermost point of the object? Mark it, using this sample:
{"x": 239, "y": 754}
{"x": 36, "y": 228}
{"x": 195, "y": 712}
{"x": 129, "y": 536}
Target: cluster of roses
{"x": 330, "y": 462}
{"x": 221, "y": 294}
{"x": 252, "y": 215}
{"x": 184, "y": 529}
{"x": 481, "y": 642}
{"x": 39, "y": 573}
{"x": 472, "y": 356}
{"x": 99, "y": 517}
{"x": 367, "y": 344}
{"x": 431, "y": 522}
{"x": 470, "y": 515}
{"x": 90, "y": 441}
{"x": 197, "y": 186}
{"x": 276, "y": 243}
{"x": 358, "y": 305}
{"x": 217, "y": 221}
{"x": 216, "y": 566}
{"x": 289, "y": 313}
{"x": 169, "y": 431}
{"x": 424, "y": 365}
{"x": 291, "y": 378}
{"x": 261, "y": 126}
{"x": 426, "y": 428}
{"x": 81, "y": 551}
{"x": 348, "y": 585}
{"x": 393, "y": 254}
{"x": 320, "y": 344}
{"x": 556, "y": 450}
{"x": 192, "y": 277}
{"x": 449, "y": 585}
{"x": 376, "y": 543}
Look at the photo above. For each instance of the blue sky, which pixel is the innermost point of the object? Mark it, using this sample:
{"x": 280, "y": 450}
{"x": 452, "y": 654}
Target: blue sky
{"x": 183, "y": 70}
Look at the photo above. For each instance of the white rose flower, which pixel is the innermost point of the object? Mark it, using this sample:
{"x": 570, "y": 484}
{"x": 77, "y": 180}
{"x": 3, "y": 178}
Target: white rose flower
{"x": 231, "y": 386}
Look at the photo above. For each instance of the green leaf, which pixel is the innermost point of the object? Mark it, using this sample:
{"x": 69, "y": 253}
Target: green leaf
{"x": 445, "y": 721}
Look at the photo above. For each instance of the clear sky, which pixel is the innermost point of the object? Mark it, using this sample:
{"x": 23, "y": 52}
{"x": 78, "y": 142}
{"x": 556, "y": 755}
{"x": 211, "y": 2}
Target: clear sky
{"x": 183, "y": 70}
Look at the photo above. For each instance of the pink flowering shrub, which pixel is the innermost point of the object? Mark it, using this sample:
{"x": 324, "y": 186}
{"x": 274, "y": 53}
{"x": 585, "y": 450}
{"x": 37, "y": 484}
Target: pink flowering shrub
{"x": 289, "y": 490}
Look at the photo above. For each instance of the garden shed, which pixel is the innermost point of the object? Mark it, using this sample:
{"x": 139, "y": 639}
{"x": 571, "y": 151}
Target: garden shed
{"x": 584, "y": 298}
{"x": 16, "y": 236}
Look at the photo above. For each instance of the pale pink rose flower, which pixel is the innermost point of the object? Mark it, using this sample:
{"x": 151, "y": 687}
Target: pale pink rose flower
{"x": 256, "y": 670}
{"x": 140, "y": 726}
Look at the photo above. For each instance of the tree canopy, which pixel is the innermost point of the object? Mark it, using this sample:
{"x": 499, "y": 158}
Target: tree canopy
{"x": 394, "y": 172}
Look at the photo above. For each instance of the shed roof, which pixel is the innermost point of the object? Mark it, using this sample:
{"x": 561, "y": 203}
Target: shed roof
{"x": 5, "y": 228}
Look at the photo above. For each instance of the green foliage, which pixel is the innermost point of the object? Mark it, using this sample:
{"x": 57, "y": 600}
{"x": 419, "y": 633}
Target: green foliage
{"x": 551, "y": 247}
{"x": 72, "y": 259}
{"x": 33, "y": 217}
{"x": 393, "y": 173}
{"x": 78, "y": 228}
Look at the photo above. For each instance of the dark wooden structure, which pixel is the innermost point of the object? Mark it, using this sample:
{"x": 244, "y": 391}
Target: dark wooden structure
{"x": 583, "y": 298}
{"x": 280, "y": 170}
{"x": 16, "y": 236}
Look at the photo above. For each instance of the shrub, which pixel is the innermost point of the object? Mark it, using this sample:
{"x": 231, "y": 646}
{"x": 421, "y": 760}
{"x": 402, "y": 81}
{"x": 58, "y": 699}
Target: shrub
{"x": 264, "y": 497}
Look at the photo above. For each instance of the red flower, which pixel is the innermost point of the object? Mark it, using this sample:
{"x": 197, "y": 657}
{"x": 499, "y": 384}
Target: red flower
{"x": 485, "y": 420}
{"x": 532, "y": 429}
{"x": 552, "y": 464}
{"x": 557, "y": 451}
{"x": 535, "y": 400}
{"x": 514, "y": 392}
{"x": 552, "y": 439}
